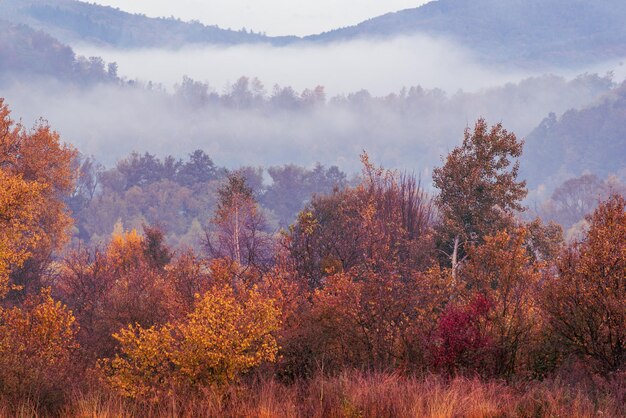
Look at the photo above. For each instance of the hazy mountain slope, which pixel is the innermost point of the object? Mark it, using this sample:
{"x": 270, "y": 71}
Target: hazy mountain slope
{"x": 26, "y": 53}
{"x": 511, "y": 31}
{"x": 519, "y": 32}
{"x": 71, "y": 21}
{"x": 591, "y": 140}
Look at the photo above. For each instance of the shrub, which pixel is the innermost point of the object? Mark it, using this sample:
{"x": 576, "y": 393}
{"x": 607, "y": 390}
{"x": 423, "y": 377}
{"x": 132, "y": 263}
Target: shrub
{"x": 228, "y": 333}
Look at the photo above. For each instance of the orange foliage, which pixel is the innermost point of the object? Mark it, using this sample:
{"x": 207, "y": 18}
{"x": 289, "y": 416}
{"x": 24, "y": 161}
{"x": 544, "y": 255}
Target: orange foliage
{"x": 586, "y": 303}
{"x": 385, "y": 220}
{"x": 356, "y": 283}
{"x": 35, "y": 173}
{"x": 505, "y": 272}
{"x": 115, "y": 288}
{"x": 36, "y": 344}
{"x": 379, "y": 321}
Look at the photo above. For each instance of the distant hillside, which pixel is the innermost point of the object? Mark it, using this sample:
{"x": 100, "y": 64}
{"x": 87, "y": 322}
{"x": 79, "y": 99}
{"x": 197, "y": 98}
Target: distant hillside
{"x": 522, "y": 32}
{"x": 27, "y": 53}
{"x": 588, "y": 140}
{"x": 70, "y": 21}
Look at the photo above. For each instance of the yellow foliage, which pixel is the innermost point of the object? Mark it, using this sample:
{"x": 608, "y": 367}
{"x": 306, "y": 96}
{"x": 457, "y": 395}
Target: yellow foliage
{"x": 125, "y": 249}
{"x": 20, "y": 206}
{"x": 227, "y": 334}
{"x": 144, "y": 367}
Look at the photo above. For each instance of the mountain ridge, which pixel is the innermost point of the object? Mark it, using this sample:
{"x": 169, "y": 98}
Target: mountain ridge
{"x": 552, "y": 32}
{"x": 73, "y": 21}
{"x": 591, "y": 139}
{"x": 521, "y": 33}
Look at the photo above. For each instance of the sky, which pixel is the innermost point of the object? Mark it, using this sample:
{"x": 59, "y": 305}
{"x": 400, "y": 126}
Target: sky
{"x": 274, "y": 17}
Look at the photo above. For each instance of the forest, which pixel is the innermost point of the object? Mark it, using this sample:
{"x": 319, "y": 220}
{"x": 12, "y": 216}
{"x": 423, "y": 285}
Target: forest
{"x": 177, "y": 287}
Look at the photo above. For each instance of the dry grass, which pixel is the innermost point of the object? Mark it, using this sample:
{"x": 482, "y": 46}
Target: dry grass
{"x": 354, "y": 394}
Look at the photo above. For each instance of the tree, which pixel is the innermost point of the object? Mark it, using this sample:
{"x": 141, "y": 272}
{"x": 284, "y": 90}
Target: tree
{"x": 293, "y": 186}
{"x": 380, "y": 321}
{"x": 87, "y": 172}
{"x": 37, "y": 178}
{"x": 365, "y": 254}
{"x": 129, "y": 283}
{"x": 238, "y": 226}
{"x": 194, "y": 94}
{"x": 504, "y": 271}
{"x": 577, "y": 198}
{"x": 586, "y": 302}
{"x": 21, "y": 204}
{"x": 199, "y": 169}
{"x": 387, "y": 218}
{"x": 36, "y": 337}
{"x": 479, "y": 191}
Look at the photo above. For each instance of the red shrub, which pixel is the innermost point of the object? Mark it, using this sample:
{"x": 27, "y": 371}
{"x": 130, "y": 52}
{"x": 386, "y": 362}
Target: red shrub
{"x": 462, "y": 343}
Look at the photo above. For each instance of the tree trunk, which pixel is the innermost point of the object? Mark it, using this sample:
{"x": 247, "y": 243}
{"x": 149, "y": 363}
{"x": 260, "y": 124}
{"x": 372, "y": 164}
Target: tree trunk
{"x": 455, "y": 257}
{"x": 237, "y": 247}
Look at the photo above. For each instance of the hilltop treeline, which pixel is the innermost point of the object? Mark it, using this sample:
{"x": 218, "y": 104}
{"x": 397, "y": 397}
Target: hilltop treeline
{"x": 27, "y": 53}
{"x": 374, "y": 277}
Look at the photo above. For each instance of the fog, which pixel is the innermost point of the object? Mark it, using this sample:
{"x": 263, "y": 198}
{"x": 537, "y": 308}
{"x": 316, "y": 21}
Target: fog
{"x": 368, "y": 102}
{"x": 275, "y": 17}
{"x": 381, "y": 66}
{"x": 407, "y": 131}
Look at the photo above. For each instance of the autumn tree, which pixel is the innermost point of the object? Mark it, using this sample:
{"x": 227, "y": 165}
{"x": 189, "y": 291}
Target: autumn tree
{"x": 36, "y": 336}
{"x": 292, "y": 296}
{"x": 126, "y": 283}
{"x": 586, "y": 302}
{"x": 387, "y": 217}
{"x": 190, "y": 275}
{"x": 21, "y": 204}
{"x": 478, "y": 188}
{"x": 507, "y": 274}
{"x": 237, "y": 230}
{"x": 462, "y": 342}
{"x": 544, "y": 241}
{"x": 378, "y": 321}
{"x": 85, "y": 284}
{"x": 36, "y": 168}
{"x": 364, "y": 253}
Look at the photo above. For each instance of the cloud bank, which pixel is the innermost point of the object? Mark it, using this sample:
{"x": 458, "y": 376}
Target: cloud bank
{"x": 381, "y": 66}
{"x": 403, "y": 127}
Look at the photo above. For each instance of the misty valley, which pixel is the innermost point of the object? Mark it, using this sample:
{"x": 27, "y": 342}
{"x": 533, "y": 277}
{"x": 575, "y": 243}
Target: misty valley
{"x": 422, "y": 214}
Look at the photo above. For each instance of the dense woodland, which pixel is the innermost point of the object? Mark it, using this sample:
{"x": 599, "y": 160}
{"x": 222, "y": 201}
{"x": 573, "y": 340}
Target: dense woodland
{"x": 376, "y": 298}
